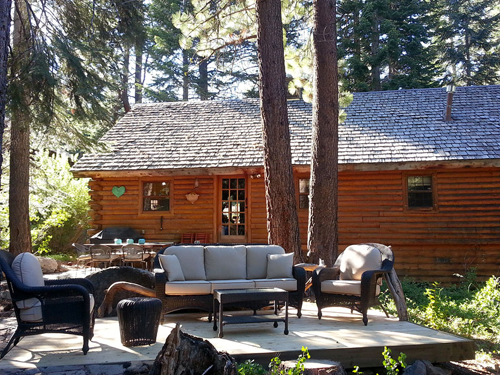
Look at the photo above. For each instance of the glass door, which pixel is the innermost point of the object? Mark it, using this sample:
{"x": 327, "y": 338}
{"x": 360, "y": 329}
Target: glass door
{"x": 233, "y": 209}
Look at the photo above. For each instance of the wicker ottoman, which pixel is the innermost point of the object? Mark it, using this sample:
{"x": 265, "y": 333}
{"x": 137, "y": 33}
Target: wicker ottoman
{"x": 139, "y": 318}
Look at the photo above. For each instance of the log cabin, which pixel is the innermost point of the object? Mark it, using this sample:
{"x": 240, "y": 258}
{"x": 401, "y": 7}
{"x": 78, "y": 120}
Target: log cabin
{"x": 419, "y": 170}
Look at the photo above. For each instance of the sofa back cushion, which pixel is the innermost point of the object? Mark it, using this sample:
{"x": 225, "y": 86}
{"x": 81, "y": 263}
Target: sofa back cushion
{"x": 225, "y": 262}
{"x": 172, "y": 266}
{"x": 257, "y": 259}
{"x": 279, "y": 266}
{"x": 357, "y": 259}
{"x": 191, "y": 259}
{"x": 27, "y": 269}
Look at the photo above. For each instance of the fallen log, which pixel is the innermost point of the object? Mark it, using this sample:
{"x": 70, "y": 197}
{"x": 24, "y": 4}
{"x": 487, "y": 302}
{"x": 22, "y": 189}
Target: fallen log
{"x": 107, "y": 305}
{"x": 183, "y": 354}
{"x": 396, "y": 289}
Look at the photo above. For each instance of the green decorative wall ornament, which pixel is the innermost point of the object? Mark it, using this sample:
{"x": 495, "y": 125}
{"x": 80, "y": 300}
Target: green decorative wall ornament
{"x": 118, "y": 191}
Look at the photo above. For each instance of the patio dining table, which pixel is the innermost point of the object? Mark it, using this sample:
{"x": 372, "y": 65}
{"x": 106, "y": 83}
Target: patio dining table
{"x": 149, "y": 248}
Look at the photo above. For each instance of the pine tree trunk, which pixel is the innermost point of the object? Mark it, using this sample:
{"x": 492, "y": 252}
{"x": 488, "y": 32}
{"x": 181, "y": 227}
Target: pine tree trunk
{"x": 282, "y": 220}
{"x": 374, "y": 52}
{"x": 185, "y": 75}
{"x": 20, "y": 233}
{"x": 139, "y": 46}
{"x": 203, "y": 82}
{"x": 5, "y": 18}
{"x": 124, "y": 88}
{"x": 323, "y": 209}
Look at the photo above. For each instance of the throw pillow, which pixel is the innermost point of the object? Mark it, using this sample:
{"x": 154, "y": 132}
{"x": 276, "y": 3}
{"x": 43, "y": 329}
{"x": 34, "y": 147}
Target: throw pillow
{"x": 27, "y": 269}
{"x": 171, "y": 265}
{"x": 279, "y": 266}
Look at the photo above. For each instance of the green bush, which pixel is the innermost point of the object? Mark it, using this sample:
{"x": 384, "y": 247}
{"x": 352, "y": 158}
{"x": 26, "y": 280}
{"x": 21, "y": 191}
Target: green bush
{"x": 470, "y": 308}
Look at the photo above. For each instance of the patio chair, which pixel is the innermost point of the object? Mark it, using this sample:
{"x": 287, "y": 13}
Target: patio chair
{"x": 46, "y": 306}
{"x": 134, "y": 254}
{"x": 187, "y": 238}
{"x": 354, "y": 280}
{"x": 101, "y": 255}
{"x": 83, "y": 254}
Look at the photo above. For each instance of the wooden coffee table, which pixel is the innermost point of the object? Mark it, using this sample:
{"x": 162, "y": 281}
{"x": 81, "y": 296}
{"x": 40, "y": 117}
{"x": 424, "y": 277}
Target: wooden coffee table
{"x": 235, "y": 296}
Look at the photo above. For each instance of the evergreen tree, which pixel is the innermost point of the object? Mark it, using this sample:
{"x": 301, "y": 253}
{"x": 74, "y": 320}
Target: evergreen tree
{"x": 469, "y": 38}
{"x": 386, "y": 44}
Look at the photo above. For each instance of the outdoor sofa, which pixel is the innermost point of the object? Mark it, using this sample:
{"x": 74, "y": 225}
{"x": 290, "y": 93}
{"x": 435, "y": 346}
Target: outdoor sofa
{"x": 187, "y": 275}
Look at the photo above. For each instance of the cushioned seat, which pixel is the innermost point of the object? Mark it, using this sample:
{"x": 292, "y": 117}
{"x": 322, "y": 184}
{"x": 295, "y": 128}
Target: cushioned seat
{"x": 46, "y": 306}
{"x": 355, "y": 279}
{"x": 288, "y": 284}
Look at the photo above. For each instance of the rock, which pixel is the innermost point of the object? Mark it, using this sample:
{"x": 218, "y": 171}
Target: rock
{"x": 48, "y": 265}
{"x": 103, "y": 279}
{"x": 433, "y": 370}
{"x": 315, "y": 367}
{"x": 417, "y": 368}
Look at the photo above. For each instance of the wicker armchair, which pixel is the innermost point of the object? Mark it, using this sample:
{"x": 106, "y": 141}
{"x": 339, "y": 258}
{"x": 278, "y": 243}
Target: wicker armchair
{"x": 46, "y": 306}
{"x": 354, "y": 280}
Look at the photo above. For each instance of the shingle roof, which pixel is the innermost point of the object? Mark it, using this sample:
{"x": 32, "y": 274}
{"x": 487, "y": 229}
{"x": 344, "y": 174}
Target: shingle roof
{"x": 381, "y": 127}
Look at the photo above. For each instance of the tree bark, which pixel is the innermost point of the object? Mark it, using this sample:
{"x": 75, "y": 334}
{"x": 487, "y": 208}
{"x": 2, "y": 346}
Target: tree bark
{"x": 396, "y": 289}
{"x": 185, "y": 75}
{"x": 5, "y": 19}
{"x": 124, "y": 88}
{"x": 184, "y": 354}
{"x": 19, "y": 224}
{"x": 139, "y": 47}
{"x": 282, "y": 219}
{"x": 203, "y": 81}
{"x": 323, "y": 209}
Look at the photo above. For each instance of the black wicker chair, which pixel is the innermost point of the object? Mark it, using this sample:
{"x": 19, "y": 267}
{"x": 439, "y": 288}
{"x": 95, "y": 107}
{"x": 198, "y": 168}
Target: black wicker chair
{"x": 360, "y": 292}
{"x": 63, "y": 306}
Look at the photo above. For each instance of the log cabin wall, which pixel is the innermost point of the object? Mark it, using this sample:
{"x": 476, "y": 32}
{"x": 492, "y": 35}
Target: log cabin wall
{"x": 107, "y": 210}
{"x": 461, "y": 232}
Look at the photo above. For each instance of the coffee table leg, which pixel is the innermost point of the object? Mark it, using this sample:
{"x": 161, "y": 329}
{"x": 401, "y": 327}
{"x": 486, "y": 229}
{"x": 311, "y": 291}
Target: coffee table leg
{"x": 215, "y": 314}
{"x": 286, "y": 317}
{"x": 221, "y": 319}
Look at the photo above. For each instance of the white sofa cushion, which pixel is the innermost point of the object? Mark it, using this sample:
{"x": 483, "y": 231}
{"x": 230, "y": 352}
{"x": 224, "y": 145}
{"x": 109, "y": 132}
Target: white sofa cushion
{"x": 27, "y": 269}
{"x": 225, "y": 262}
{"x": 257, "y": 259}
{"x": 347, "y": 287}
{"x": 188, "y": 287}
{"x": 232, "y": 284}
{"x": 279, "y": 266}
{"x": 357, "y": 259}
{"x": 171, "y": 265}
{"x": 191, "y": 259}
{"x": 288, "y": 284}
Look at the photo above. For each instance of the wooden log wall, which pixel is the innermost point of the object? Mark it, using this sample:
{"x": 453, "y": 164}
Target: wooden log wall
{"x": 462, "y": 233}
{"x": 107, "y": 210}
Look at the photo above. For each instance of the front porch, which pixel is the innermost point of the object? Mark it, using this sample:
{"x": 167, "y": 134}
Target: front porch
{"x": 339, "y": 336}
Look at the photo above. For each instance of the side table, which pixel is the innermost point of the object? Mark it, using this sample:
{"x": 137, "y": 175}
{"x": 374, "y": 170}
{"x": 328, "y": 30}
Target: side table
{"x": 139, "y": 318}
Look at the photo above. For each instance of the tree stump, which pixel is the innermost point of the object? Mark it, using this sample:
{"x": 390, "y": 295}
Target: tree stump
{"x": 184, "y": 354}
{"x": 317, "y": 367}
{"x": 397, "y": 293}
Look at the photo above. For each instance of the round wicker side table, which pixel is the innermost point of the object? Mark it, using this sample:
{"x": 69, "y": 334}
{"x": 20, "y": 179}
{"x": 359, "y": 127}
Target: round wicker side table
{"x": 138, "y": 318}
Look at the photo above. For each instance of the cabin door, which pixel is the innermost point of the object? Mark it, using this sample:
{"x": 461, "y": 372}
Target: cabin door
{"x": 233, "y": 209}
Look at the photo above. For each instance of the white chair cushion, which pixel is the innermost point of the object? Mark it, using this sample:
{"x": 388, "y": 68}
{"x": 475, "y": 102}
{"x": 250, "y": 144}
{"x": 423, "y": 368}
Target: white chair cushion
{"x": 279, "y": 266}
{"x": 186, "y": 288}
{"x": 225, "y": 262}
{"x": 257, "y": 259}
{"x": 191, "y": 259}
{"x": 288, "y": 284}
{"x": 231, "y": 284}
{"x": 347, "y": 287}
{"x": 27, "y": 269}
{"x": 357, "y": 259}
{"x": 172, "y": 266}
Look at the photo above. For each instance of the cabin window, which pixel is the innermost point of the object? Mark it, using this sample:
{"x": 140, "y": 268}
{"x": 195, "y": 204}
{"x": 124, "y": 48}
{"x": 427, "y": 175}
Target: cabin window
{"x": 420, "y": 192}
{"x": 233, "y": 206}
{"x": 304, "y": 193}
{"x": 156, "y": 196}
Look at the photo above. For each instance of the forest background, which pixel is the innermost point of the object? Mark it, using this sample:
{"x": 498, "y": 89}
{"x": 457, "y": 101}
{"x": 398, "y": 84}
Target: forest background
{"x": 81, "y": 64}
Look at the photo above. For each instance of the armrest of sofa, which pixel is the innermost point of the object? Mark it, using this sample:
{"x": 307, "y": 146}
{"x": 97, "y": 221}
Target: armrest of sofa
{"x": 300, "y": 275}
{"x": 160, "y": 281}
